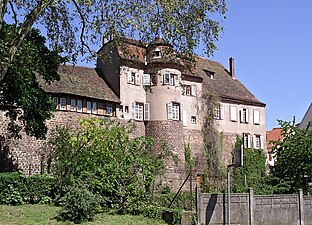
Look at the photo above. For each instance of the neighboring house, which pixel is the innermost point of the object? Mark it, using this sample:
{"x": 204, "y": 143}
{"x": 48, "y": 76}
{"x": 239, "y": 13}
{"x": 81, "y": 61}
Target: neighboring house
{"x": 273, "y": 135}
{"x": 150, "y": 85}
{"x": 306, "y": 119}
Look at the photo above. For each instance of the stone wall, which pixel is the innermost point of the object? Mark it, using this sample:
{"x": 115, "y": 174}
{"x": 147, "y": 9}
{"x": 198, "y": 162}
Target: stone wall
{"x": 29, "y": 154}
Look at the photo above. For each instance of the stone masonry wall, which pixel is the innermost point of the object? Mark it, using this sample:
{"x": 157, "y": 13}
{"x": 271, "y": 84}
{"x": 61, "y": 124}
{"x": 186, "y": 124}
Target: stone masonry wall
{"x": 29, "y": 154}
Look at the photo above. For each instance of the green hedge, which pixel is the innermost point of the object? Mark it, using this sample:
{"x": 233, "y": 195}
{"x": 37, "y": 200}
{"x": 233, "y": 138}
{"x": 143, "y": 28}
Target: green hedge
{"x": 16, "y": 189}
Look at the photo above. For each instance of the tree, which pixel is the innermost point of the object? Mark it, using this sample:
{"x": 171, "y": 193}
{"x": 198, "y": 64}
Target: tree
{"x": 293, "y": 168}
{"x": 102, "y": 154}
{"x": 22, "y": 98}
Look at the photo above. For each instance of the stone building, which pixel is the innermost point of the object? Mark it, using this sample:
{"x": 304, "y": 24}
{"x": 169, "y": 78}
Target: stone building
{"x": 169, "y": 98}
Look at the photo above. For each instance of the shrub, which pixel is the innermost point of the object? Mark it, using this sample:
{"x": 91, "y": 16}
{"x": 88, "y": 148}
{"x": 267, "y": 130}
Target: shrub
{"x": 80, "y": 203}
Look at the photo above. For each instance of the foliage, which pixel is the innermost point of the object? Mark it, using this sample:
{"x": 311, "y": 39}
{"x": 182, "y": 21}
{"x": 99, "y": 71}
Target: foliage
{"x": 16, "y": 189}
{"x": 80, "y": 203}
{"x": 214, "y": 175}
{"x": 22, "y": 97}
{"x": 252, "y": 174}
{"x": 293, "y": 168}
{"x": 119, "y": 168}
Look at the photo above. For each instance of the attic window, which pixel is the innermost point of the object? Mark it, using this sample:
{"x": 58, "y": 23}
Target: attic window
{"x": 209, "y": 73}
{"x": 157, "y": 53}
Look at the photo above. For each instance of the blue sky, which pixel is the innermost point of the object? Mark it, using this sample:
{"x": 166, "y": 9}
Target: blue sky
{"x": 271, "y": 42}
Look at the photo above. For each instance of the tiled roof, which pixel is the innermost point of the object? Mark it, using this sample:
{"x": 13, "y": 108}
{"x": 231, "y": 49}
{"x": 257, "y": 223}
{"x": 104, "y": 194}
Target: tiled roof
{"x": 80, "y": 81}
{"x": 274, "y": 135}
{"x": 222, "y": 84}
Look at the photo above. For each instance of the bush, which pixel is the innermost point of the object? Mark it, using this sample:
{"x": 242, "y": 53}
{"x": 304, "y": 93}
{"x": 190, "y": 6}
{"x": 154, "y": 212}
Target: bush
{"x": 16, "y": 189}
{"x": 80, "y": 203}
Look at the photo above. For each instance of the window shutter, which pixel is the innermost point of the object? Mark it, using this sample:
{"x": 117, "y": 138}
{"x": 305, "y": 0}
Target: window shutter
{"x": 193, "y": 90}
{"x": 146, "y": 79}
{"x": 169, "y": 111}
{"x": 184, "y": 118}
{"x": 132, "y": 110}
{"x": 247, "y": 116}
{"x": 249, "y": 141}
{"x": 137, "y": 79}
{"x": 254, "y": 141}
{"x": 176, "y": 80}
{"x": 129, "y": 77}
{"x": 261, "y": 142}
{"x": 221, "y": 112}
{"x": 256, "y": 117}
{"x": 146, "y": 111}
{"x": 233, "y": 113}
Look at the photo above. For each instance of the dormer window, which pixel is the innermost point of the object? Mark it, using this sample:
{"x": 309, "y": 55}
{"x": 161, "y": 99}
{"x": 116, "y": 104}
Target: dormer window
{"x": 209, "y": 73}
{"x": 157, "y": 53}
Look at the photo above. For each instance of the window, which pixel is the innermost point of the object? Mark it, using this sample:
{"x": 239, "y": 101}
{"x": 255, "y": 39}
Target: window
{"x": 193, "y": 119}
{"x": 131, "y": 77}
{"x": 72, "y": 104}
{"x": 55, "y": 100}
{"x": 233, "y": 113}
{"x": 126, "y": 109}
{"x": 146, "y": 79}
{"x": 121, "y": 108}
{"x": 94, "y": 107}
{"x": 154, "y": 79}
{"x": 157, "y": 53}
{"x": 140, "y": 111}
{"x": 187, "y": 90}
{"x": 218, "y": 112}
{"x": 246, "y": 140}
{"x": 62, "y": 103}
{"x": 109, "y": 109}
{"x": 258, "y": 141}
{"x": 88, "y": 107}
{"x": 256, "y": 116}
{"x": 173, "y": 111}
{"x": 79, "y": 105}
{"x": 243, "y": 115}
{"x": 171, "y": 79}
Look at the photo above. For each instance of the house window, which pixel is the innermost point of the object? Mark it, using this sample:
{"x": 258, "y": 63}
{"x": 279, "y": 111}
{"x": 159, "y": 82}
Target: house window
{"x": 146, "y": 79}
{"x": 121, "y": 108}
{"x": 173, "y": 111}
{"x": 153, "y": 79}
{"x": 109, "y": 109}
{"x": 79, "y": 105}
{"x": 131, "y": 77}
{"x": 246, "y": 140}
{"x": 243, "y": 115}
{"x": 258, "y": 141}
{"x": 218, "y": 112}
{"x": 171, "y": 79}
{"x": 233, "y": 113}
{"x": 193, "y": 119}
{"x": 190, "y": 90}
{"x": 126, "y": 109}
{"x": 72, "y": 104}
{"x": 94, "y": 107}
{"x": 157, "y": 53}
{"x": 62, "y": 103}
{"x": 55, "y": 101}
{"x": 88, "y": 107}
{"x": 140, "y": 111}
{"x": 256, "y": 117}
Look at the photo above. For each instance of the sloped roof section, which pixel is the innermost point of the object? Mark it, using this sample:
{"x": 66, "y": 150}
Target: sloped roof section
{"x": 80, "y": 81}
{"x": 306, "y": 118}
{"x": 222, "y": 84}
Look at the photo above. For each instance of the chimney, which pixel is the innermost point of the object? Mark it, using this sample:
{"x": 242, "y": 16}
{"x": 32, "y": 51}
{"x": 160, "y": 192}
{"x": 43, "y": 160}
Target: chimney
{"x": 232, "y": 73}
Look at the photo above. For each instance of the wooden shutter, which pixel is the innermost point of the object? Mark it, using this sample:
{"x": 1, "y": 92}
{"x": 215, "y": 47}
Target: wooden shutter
{"x": 193, "y": 89}
{"x": 146, "y": 111}
{"x": 261, "y": 142}
{"x": 169, "y": 111}
{"x": 249, "y": 141}
{"x": 247, "y": 116}
{"x": 132, "y": 110}
{"x": 233, "y": 113}
{"x": 184, "y": 118}
{"x": 256, "y": 117}
{"x": 137, "y": 79}
{"x": 146, "y": 79}
{"x": 176, "y": 80}
{"x": 221, "y": 112}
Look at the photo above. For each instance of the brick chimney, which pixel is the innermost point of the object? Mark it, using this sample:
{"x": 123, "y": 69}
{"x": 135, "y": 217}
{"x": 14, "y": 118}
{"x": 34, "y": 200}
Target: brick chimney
{"x": 232, "y": 72}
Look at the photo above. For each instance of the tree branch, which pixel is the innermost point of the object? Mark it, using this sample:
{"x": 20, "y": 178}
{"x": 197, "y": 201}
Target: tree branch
{"x": 3, "y": 8}
{"x": 14, "y": 13}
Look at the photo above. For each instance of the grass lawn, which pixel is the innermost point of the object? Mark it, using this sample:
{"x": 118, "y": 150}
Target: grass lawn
{"x": 44, "y": 214}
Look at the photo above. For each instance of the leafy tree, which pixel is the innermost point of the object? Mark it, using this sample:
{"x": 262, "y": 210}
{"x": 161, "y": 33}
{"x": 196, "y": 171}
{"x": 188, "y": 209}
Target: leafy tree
{"x": 102, "y": 154}
{"x": 24, "y": 100}
{"x": 293, "y": 167}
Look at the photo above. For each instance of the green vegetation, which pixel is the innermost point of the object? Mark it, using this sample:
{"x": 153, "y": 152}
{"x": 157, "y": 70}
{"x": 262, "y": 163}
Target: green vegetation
{"x": 46, "y": 214}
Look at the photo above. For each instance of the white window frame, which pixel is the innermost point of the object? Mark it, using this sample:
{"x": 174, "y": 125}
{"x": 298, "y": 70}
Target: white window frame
{"x": 244, "y": 115}
{"x": 257, "y": 141}
{"x": 131, "y": 77}
{"x": 256, "y": 117}
{"x": 146, "y": 79}
{"x": 218, "y": 112}
{"x": 246, "y": 140}
{"x": 94, "y": 107}
{"x": 137, "y": 110}
{"x": 89, "y": 106}
{"x": 72, "y": 104}
{"x": 79, "y": 105}
{"x": 193, "y": 119}
{"x": 173, "y": 111}
{"x": 147, "y": 111}
{"x": 62, "y": 103}
{"x": 170, "y": 79}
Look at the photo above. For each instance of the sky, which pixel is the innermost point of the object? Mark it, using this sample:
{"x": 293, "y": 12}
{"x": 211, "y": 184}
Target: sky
{"x": 271, "y": 43}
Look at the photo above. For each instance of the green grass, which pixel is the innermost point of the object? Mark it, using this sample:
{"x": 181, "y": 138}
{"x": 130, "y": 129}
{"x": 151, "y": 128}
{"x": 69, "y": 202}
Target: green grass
{"x": 44, "y": 214}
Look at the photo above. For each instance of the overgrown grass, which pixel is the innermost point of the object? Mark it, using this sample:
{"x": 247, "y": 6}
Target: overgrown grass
{"x": 45, "y": 214}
